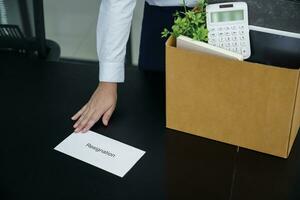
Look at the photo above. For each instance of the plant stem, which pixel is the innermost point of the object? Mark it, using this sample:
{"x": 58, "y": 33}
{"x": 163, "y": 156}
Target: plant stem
{"x": 184, "y": 5}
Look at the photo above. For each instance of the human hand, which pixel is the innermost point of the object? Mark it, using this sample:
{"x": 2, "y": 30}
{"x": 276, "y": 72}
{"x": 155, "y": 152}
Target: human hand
{"x": 101, "y": 104}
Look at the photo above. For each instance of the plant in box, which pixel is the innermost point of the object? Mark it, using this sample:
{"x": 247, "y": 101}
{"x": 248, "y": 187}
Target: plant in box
{"x": 190, "y": 23}
{"x": 191, "y": 33}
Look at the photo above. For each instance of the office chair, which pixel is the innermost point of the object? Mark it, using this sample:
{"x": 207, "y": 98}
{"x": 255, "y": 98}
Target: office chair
{"x": 13, "y": 40}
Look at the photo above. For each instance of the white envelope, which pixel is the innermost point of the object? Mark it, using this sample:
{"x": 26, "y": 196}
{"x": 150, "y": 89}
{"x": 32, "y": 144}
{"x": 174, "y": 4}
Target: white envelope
{"x": 100, "y": 151}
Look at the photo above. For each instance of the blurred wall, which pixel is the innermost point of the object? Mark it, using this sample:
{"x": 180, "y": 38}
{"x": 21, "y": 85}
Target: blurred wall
{"x": 72, "y": 23}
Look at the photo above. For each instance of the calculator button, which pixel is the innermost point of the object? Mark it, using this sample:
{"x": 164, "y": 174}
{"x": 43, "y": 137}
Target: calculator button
{"x": 242, "y": 32}
{"x": 233, "y": 27}
{"x": 213, "y": 40}
{"x": 227, "y": 33}
{"x": 234, "y": 38}
{"x": 244, "y": 51}
{"x": 212, "y": 35}
{"x": 234, "y": 33}
{"x": 220, "y": 29}
{"x": 222, "y": 45}
{"x": 227, "y": 48}
{"x": 221, "y": 34}
{"x": 242, "y": 38}
{"x": 243, "y": 43}
{"x": 234, "y": 49}
{"x": 221, "y": 39}
{"x": 212, "y": 30}
{"x": 235, "y": 44}
{"x": 227, "y": 44}
{"x": 241, "y": 26}
{"x": 226, "y": 28}
{"x": 227, "y": 38}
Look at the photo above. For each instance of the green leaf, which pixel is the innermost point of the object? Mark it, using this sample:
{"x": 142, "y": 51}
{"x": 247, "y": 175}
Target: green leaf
{"x": 165, "y": 33}
{"x": 191, "y": 23}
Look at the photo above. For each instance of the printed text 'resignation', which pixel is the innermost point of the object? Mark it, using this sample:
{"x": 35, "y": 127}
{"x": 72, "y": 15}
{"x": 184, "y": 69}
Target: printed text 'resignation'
{"x": 97, "y": 149}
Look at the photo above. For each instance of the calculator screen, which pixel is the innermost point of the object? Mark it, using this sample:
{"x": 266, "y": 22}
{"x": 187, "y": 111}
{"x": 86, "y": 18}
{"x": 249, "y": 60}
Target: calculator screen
{"x": 225, "y": 16}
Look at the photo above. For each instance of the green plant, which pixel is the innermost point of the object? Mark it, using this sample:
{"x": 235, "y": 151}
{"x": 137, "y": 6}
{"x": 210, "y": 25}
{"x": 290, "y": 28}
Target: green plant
{"x": 190, "y": 23}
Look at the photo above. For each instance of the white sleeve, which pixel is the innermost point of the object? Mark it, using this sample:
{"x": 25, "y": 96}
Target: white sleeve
{"x": 113, "y": 30}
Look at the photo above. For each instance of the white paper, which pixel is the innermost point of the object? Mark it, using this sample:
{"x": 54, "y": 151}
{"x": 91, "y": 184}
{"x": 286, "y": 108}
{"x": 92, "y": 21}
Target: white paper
{"x": 100, "y": 151}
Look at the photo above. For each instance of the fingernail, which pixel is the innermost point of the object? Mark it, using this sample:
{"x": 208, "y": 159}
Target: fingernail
{"x": 76, "y": 130}
{"x": 75, "y": 125}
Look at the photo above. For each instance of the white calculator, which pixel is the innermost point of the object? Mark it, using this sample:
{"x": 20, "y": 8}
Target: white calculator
{"x": 227, "y": 25}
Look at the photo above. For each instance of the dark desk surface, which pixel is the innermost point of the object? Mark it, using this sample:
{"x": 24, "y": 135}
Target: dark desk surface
{"x": 37, "y": 100}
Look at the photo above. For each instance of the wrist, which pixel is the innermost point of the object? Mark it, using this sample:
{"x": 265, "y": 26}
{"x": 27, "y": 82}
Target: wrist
{"x": 108, "y": 85}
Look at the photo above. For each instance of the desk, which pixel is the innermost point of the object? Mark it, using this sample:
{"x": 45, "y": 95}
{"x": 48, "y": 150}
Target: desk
{"x": 38, "y": 98}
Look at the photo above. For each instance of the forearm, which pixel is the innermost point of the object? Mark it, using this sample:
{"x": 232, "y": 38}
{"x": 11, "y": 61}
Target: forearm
{"x": 113, "y": 30}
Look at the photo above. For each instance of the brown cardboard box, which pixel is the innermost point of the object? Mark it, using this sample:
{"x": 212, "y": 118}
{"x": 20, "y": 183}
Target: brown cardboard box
{"x": 241, "y": 103}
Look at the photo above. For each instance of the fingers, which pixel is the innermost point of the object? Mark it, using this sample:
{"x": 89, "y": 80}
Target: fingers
{"x": 101, "y": 104}
{"x": 82, "y": 116}
{"x": 90, "y": 122}
{"x": 87, "y": 120}
{"x": 107, "y": 115}
{"x": 79, "y": 113}
{"x": 81, "y": 122}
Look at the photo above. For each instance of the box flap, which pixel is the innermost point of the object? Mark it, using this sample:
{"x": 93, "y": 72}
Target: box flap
{"x": 296, "y": 119}
{"x": 171, "y": 42}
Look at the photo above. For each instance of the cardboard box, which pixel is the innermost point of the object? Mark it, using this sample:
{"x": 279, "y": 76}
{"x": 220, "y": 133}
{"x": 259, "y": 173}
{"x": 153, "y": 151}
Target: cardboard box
{"x": 237, "y": 102}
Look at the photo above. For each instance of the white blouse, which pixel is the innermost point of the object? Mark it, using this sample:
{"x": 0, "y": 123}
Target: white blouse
{"x": 113, "y": 30}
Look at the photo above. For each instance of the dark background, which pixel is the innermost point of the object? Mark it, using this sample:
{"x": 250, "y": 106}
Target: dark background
{"x": 275, "y": 14}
